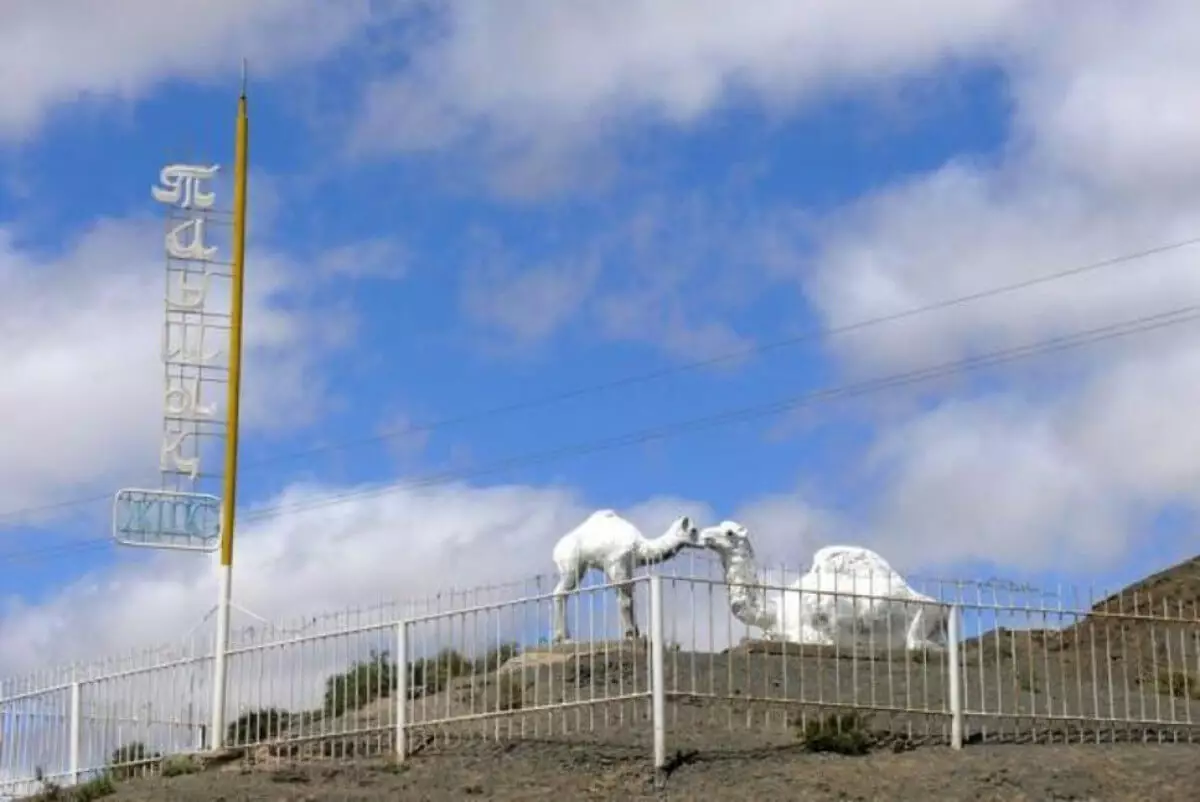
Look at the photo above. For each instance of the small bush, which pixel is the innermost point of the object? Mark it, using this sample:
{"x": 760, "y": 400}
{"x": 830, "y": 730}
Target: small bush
{"x": 1027, "y": 681}
{"x": 495, "y": 692}
{"x": 433, "y": 674}
{"x": 496, "y": 657}
{"x": 257, "y": 726}
{"x": 362, "y": 684}
{"x": 130, "y": 760}
{"x": 179, "y": 765}
{"x": 1180, "y": 684}
{"x": 96, "y": 788}
{"x": 510, "y": 693}
{"x": 376, "y": 677}
{"x": 843, "y": 734}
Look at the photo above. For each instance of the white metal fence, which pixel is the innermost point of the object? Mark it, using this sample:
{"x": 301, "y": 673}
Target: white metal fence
{"x": 1020, "y": 664}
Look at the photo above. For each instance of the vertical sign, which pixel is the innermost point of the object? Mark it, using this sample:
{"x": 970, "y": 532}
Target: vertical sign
{"x": 180, "y": 514}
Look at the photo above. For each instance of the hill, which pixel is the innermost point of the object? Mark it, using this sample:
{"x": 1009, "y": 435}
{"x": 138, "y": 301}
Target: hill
{"x": 1175, "y": 590}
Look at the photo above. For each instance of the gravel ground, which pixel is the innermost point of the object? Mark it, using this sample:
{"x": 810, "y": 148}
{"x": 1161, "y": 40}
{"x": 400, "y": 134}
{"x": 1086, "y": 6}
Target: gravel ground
{"x": 531, "y": 771}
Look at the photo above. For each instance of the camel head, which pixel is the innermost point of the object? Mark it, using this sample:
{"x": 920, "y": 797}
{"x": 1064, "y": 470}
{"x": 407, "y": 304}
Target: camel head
{"x": 686, "y": 531}
{"x": 747, "y": 600}
{"x": 727, "y": 538}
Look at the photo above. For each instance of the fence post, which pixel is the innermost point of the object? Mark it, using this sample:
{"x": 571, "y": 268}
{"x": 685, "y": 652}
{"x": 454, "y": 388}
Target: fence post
{"x": 220, "y": 686}
{"x": 73, "y": 745}
{"x": 401, "y": 690}
{"x": 953, "y": 640}
{"x": 658, "y": 695}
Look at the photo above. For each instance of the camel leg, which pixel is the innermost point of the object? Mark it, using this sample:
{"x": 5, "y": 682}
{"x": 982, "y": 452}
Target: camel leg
{"x": 567, "y": 581}
{"x": 628, "y": 620}
{"x": 620, "y": 578}
{"x": 919, "y": 635}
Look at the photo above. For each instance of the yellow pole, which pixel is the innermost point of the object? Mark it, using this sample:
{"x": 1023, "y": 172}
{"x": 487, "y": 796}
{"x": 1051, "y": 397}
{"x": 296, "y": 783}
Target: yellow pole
{"x": 229, "y": 493}
{"x": 233, "y": 403}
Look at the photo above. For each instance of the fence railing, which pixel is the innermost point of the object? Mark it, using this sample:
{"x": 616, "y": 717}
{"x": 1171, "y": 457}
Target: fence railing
{"x": 1016, "y": 664}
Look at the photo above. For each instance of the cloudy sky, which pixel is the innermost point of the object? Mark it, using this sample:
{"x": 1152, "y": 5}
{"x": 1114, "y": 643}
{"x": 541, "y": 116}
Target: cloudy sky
{"x": 464, "y": 212}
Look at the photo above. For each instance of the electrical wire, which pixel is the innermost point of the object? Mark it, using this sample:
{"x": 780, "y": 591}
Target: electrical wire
{"x": 1112, "y": 331}
{"x": 536, "y": 402}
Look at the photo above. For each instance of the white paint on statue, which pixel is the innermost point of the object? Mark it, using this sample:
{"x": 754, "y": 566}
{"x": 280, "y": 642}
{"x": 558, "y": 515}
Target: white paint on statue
{"x": 853, "y": 595}
{"x": 747, "y": 598}
{"x": 607, "y": 542}
{"x": 849, "y": 597}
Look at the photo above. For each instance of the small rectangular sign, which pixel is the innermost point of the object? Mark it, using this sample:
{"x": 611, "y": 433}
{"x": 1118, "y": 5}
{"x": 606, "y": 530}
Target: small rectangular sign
{"x": 164, "y": 519}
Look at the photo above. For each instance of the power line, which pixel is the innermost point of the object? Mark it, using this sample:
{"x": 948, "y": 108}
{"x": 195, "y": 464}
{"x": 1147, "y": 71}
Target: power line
{"x": 1112, "y": 331}
{"x": 787, "y": 404}
{"x": 643, "y": 378}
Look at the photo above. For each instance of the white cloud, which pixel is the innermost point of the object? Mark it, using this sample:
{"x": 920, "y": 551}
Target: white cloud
{"x": 82, "y": 332}
{"x": 538, "y": 82}
{"x": 529, "y": 305}
{"x": 1137, "y": 420}
{"x": 1096, "y": 168}
{"x": 54, "y": 54}
{"x": 1066, "y": 463}
{"x": 787, "y": 528}
{"x": 963, "y": 230}
{"x": 1068, "y": 484}
{"x": 662, "y": 317}
{"x": 664, "y": 276}
{"x": 380, "y": 258}
{"x": 1115, "y": 114}
{"x": 994, "y": 481}
{"x": 407, "y": 440}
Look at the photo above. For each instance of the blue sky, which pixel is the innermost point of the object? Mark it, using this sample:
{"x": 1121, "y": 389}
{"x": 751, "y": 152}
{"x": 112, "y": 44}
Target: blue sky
{"x": 454, "y": 211}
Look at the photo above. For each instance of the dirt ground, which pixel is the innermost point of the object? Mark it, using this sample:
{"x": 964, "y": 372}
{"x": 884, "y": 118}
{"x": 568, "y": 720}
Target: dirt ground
{"x": 531, "y": 771}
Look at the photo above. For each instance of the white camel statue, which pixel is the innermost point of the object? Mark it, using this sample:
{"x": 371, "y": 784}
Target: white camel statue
{"x": 607, "y": 542}
{"x": 850, "y": 595}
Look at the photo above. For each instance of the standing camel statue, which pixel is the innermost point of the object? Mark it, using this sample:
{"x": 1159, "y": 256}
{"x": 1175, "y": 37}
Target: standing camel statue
{"x": 607, "y": 542}
{"x": 848, "y": 592}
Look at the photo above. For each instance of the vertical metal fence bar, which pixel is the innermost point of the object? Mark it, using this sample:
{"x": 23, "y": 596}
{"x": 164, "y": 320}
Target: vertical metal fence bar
{"x": 1155, "y": 675}
{"x": 657, "y": 681}
{"x": 953, "y": 639}
{"x": 401, "y": 744}
{"x": 73, "y": 743}
{"x": 1091, "y": 628}
{"x": 1188, "y": 690}
{"x": 1173, "y": 679}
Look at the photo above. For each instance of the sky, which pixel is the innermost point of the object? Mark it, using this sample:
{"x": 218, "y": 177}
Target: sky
{"x": 492, "y": 253}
